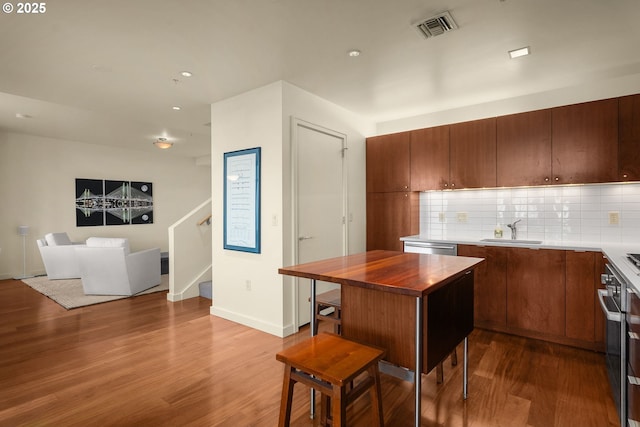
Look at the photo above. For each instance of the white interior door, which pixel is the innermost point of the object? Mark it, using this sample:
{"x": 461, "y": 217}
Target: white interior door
{"x": 321, "y": 202}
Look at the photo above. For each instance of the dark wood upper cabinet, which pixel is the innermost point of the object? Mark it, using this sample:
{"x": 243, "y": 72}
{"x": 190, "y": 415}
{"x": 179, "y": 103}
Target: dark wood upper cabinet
{"x": 430, "y": 158}
{"x": 629, "y": 143}
{"x": 524, "y": 149}
{"x": 390, "y": 216}
{"x": 585, "y": 142}
{"x": 388, "y": 162}
{"x": 472, "y": 154}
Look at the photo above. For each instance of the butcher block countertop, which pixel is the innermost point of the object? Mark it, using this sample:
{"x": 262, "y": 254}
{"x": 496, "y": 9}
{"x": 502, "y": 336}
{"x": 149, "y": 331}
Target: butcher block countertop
{"x": 389, "y": 271}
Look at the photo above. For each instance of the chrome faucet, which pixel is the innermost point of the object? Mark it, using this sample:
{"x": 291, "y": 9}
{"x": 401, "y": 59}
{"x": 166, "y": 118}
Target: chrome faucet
{"x": 514, "y": 231}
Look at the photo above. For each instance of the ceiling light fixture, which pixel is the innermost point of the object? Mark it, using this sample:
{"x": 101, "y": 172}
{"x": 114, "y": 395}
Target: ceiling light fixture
{"x": 162, "y": 143}
{"x": 176, "y": 108}
{"x": 516, "y": 53}
{"x": 186, "y": 73}
{"x": 354, "y": 53}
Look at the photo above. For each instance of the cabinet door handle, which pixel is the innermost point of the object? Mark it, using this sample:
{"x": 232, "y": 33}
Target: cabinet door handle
{"x": 546, "y": 179}
{"x": 556, "y": 179}
{"x": 301, "y": 238}
{"x": 634, "y": 335}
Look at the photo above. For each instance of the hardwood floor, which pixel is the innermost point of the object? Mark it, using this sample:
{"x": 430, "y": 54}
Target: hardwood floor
{"x": 145, "y": 361}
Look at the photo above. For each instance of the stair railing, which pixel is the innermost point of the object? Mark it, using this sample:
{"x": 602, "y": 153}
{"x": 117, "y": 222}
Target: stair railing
{"x": 190, "y": 253}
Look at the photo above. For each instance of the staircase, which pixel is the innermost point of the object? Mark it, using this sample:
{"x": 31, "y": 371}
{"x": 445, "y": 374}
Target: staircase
{"x": 190, "y": 254}
{"x": 206, "y": 289}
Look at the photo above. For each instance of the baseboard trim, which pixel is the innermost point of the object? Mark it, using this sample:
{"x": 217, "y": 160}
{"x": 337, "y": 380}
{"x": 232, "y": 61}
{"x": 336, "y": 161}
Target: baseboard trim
{"x": 252, "y": 322}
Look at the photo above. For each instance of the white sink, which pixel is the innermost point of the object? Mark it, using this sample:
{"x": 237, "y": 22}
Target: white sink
{"x": 514, "y": 241}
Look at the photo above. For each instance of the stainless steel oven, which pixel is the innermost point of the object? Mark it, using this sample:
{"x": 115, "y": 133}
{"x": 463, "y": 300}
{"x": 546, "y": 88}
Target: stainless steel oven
{"x": 633, "y": 356}
{"x": 611, "y": 303}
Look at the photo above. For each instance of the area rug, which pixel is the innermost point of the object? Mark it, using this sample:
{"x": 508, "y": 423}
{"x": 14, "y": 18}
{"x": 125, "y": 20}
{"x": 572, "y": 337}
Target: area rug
{"x": 69, "y": 293}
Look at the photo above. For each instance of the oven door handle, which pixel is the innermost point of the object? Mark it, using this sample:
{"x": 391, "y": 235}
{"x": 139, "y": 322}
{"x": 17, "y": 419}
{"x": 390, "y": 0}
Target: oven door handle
{"x": 610, "y": 315}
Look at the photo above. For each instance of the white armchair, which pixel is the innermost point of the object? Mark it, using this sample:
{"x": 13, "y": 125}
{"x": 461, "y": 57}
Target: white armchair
{"x": 58, "y": 254}
{"x": 108, "y": 268}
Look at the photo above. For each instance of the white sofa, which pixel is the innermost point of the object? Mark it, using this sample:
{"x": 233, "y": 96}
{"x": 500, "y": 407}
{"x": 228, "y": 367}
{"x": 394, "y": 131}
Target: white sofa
{"x": 108, "y": 268}
{"x": 58, "y": 254}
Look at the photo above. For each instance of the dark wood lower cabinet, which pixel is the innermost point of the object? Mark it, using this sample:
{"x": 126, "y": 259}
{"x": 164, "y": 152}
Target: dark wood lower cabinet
{"x": 585, "y": 319}
{"x": 536, "y": 290}
{"x": 581, "y": 295}
{"x": 490, "y": 304}
{"x": 546, "y": 294}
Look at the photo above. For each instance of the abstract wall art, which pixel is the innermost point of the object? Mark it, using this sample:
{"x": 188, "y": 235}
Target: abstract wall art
{"x": 106, "y": 202}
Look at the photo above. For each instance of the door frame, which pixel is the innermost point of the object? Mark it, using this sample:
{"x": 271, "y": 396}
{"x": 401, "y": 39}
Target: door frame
{"x": 297, "y": 123}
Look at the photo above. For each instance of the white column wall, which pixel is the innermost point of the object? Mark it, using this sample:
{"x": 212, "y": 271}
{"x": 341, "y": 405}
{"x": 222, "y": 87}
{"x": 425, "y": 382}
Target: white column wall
{"x": 262, "y": 118}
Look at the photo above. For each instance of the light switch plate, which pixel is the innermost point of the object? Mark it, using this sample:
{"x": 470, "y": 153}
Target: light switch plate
{"x": 462, "y": 217}
{"x": 614, "y": 218}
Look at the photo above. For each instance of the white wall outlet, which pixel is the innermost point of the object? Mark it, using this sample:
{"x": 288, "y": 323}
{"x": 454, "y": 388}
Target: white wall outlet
{"x": 614, "y": 218}
{"x": 462, "y": 217}
{"x": 441, "y": 217}
{"x": 247, "y": 285}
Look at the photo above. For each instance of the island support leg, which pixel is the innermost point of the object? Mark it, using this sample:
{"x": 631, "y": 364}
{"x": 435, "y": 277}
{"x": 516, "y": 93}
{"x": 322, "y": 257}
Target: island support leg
{"x": 314, "y": 332}
{"x": 465, "y": 369}
{"x": 417, "y": 379}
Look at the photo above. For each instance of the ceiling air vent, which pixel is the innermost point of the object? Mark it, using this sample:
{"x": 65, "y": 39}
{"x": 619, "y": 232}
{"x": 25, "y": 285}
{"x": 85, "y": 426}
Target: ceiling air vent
{"x": 436, "y": 25}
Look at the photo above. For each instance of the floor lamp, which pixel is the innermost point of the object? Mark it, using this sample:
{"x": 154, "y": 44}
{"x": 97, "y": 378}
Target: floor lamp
{"x": 23, "y": 230}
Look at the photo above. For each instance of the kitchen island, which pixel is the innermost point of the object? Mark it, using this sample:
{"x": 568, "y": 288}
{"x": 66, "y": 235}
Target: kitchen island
{"x": 417, "y": 307}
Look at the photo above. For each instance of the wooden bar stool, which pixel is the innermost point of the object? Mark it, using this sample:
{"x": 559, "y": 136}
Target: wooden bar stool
{"x": 329, "y": 363}
{"x": 326, "y": 301}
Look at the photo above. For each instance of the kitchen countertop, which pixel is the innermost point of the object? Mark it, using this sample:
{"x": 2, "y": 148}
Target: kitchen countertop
{"x": 388, "y": 271}
{"x": 617, "y": 255}
{"x": 615, "y": 252}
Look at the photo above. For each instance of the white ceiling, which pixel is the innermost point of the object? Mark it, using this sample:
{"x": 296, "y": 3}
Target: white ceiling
{"x": 107, "y": 72}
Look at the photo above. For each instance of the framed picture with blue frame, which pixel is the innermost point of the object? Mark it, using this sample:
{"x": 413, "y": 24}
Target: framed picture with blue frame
{"x": 242, "y": 200}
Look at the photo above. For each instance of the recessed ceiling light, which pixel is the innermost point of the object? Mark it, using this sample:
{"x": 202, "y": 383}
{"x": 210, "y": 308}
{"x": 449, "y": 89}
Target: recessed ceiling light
{"x": 186, "y": 73}
{"x": 176, "y": 108}
{"x": 354, "y": 53}
{"x": 516, "y": 53}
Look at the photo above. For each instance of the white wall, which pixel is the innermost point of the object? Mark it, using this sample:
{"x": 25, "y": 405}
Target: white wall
{"x": 607, "y": 88}
{"x": 303, "y": 105}
{"x": 262, "y": 118}
{"x": 37, "y": 184}
{"x": 250, "y": 120}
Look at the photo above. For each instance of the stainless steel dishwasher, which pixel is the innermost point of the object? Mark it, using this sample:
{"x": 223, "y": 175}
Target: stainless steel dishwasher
{"x": 431, "y": 248}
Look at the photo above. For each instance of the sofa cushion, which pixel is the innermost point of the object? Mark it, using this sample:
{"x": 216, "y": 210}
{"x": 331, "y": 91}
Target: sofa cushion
{"x": 109, "y": 242}
{"x": 57, "y": 239}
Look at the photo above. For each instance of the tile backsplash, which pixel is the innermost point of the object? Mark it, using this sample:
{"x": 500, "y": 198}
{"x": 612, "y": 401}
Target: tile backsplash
{"x": 599, "y": 213}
